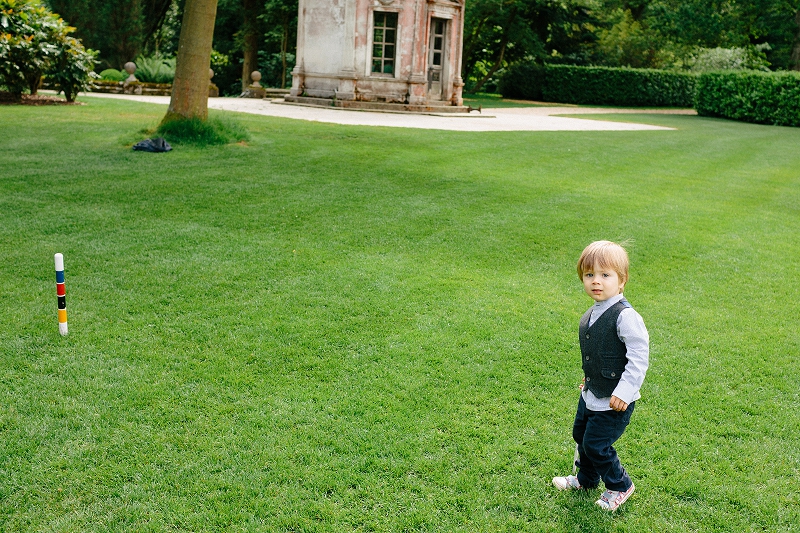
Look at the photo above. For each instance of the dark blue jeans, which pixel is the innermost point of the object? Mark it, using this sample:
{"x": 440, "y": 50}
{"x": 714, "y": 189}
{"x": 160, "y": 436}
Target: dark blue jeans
{"x": 596, "y": 432}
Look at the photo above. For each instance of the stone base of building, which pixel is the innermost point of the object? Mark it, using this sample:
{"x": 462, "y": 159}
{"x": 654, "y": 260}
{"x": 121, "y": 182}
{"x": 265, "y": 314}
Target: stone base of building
{"x": 430, "y": 107}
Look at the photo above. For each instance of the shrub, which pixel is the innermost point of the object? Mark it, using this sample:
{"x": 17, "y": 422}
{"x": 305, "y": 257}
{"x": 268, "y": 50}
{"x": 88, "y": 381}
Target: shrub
{"x": 27, "y": 33}
{"x": 34, "y": 42}
{"x": 599, "y": 85}
{"x": 112, "y": 74}
{"x": 749, "y": 96}
{"x": 713, "y": 59}
{"x": 72, "y": 69}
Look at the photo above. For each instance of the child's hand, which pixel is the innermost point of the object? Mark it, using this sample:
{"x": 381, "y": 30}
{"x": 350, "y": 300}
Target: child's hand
{"x": 617, "y": 404}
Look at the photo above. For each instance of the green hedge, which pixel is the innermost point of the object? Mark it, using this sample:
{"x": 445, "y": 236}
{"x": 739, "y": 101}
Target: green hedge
{"x": 522, "y": 80}
{"x": 598, "y": 85}
{"x": 760, "y": 97}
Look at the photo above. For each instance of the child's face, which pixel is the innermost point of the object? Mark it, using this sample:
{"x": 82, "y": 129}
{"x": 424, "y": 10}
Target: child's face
{"x": 602, "y": 283}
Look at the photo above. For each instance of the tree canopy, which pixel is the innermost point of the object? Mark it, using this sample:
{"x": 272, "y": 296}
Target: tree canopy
{"x": 635, "y": 33}
{"x": 261, "y": 34}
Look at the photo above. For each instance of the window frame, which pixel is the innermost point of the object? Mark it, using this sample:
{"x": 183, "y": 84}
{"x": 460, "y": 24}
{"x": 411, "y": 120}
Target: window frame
{"x": 381, "y": 22}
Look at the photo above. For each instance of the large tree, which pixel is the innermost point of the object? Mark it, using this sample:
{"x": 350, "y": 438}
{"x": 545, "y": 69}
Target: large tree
{"x": 499, "y": 32}
{"x": 682, "y": 26}
{"x": 250, "y": 38}
{"x": 190, "y": 87}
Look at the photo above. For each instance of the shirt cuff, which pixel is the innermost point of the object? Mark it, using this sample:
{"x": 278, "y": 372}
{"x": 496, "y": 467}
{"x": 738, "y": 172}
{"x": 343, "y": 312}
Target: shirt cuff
{"x": 625, "y": 392}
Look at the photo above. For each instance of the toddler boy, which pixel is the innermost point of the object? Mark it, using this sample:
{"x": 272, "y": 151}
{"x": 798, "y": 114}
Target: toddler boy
{"x": 615, "y": 348}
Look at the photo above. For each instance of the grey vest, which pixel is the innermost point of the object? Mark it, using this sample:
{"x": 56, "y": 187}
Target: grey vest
{"x": 603, "y": 354}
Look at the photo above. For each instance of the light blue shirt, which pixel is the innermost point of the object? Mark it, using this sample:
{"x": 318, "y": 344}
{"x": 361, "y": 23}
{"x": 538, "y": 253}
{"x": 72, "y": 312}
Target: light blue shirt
{"x": 631, "y": 331}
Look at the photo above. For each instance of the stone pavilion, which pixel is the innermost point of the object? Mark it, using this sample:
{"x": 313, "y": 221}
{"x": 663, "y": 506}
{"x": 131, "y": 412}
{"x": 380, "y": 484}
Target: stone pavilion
{"x": 393, "y": 54}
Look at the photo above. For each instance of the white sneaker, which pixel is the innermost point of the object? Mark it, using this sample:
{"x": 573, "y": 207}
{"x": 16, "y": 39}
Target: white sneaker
{"x": 612, "y": 499}
{"x": 567, "y": 483}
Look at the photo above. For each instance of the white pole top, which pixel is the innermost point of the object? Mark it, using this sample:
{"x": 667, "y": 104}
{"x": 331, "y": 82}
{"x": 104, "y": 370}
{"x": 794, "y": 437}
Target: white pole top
{"x": 59, "y": 262}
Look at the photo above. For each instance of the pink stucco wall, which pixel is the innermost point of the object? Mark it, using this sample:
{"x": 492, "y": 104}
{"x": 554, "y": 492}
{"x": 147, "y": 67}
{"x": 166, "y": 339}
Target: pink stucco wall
{"x": 334, "y": 50}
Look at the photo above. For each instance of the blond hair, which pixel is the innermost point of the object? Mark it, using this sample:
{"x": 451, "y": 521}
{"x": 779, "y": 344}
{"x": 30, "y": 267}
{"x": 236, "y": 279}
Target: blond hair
{"x": 604, "y": 255}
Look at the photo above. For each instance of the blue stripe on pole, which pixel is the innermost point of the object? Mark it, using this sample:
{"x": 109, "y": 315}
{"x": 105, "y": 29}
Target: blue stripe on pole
{"x": 59, "y": 276}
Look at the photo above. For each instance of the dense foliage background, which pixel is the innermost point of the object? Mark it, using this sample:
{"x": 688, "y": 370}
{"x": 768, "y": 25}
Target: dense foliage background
{"x": 661, "y": 34}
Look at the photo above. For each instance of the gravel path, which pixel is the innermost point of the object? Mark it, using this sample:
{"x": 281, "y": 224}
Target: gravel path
{"x": 498, "y": 119}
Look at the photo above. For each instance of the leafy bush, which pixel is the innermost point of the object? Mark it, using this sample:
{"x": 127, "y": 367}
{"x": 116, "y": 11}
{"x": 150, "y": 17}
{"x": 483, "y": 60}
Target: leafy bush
{"x": 72, "y": 69}
{"x": 760, "y": 97}
{"x": 155, "y": 69}
{"x": 599, "y": 85}
{"x": 35, "y": 42}
{"x": 112, "y": 74}
{"x": 27, "y": 46}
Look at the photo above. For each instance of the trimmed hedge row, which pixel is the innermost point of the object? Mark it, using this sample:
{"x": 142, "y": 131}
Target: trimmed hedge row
{"x": 760, "y": 97}
{"x": 522, "y": 80}
{"x": 598, "y": 85}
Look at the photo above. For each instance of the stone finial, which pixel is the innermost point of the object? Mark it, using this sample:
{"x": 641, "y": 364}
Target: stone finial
{"x": 130, "y": 68}
{"x": 210, "y": 73}
{"x": 254, "y": 90}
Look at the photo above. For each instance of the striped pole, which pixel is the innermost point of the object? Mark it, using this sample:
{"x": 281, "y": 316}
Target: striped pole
{"x": 61, "y": 292}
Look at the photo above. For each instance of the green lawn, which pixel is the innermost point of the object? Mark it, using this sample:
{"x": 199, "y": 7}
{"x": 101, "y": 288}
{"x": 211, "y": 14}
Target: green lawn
{"x": 495, "y": 101}
{"x": 334, "y": 329}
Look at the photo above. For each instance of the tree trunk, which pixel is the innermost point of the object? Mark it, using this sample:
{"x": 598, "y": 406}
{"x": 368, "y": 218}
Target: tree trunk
{"x": 34, "y": 80}
{"x": 155, "y": 13}
{"x": 795, "y": 59}
{"x": 250, "y": 38}
{"x": 284, "y": 48}
{"x": 190, "y": 87}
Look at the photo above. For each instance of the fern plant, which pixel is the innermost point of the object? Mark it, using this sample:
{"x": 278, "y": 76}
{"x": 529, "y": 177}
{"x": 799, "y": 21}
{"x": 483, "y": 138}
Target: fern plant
{"x": 155, "y": 69}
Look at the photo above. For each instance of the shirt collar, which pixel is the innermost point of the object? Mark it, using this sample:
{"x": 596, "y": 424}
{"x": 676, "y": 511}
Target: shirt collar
{"x": 601, "y": 307}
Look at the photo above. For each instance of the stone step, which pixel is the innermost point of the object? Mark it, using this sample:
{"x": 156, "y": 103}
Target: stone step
{"x": 431, "y": 107}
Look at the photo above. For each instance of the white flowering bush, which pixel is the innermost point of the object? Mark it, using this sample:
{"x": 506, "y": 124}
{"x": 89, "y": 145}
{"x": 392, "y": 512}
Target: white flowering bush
{"x": 712, "y": 59}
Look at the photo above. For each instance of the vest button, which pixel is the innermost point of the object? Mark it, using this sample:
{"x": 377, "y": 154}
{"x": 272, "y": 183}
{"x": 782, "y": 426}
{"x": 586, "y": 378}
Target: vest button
{"x": 587, "y": 335}
{"x": 613, "y": 374}
{"x": 587, "y": 357}
{"x": 588, "y": 379}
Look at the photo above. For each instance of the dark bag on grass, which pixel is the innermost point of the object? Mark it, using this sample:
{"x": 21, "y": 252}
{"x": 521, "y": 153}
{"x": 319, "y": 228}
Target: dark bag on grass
{"x": 156, "y": 144}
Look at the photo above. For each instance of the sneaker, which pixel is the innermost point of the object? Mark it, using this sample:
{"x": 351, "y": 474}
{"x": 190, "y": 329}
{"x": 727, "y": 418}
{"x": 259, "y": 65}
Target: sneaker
{"x": 567, "y": 483}
{"x": 612, "y": 499}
